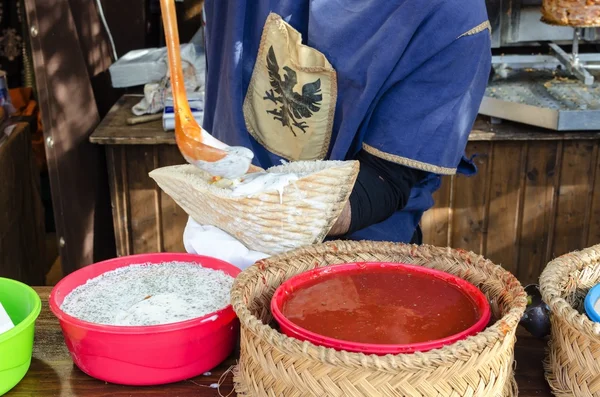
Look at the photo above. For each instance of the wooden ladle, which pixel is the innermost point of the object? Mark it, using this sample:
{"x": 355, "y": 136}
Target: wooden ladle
{"x": 197, "y": 146}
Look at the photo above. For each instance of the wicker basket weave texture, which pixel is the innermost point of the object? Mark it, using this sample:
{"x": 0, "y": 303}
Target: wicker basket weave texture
{"x": 272, "y": 364}
{"x": 573, "y": 361}
{"x": 269, "y": 222}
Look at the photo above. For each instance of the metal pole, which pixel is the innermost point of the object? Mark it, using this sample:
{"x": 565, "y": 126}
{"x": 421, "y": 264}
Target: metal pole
{"x": 571, "y": 62}
{"x": 575, "y": 50}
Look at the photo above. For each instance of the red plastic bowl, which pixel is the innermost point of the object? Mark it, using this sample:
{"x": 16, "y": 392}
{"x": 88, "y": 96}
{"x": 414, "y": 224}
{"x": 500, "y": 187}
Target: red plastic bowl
{"x": 292, "y": 330}
{"x": 146, "y": 355}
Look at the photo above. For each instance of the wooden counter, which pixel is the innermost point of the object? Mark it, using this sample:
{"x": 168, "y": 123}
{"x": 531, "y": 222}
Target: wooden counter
{"x": 536, "y": 196}
{"x": 53, "y": 373}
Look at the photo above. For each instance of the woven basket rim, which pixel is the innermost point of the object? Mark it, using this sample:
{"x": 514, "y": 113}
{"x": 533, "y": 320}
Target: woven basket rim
{"x": 200, "y": 178}
{"x": 551, "y": 280}
{"x": 460, "y": 350}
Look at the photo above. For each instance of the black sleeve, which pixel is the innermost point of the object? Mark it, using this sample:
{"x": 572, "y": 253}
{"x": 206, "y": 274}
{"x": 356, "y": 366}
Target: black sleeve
{"x": 381, "y": 188}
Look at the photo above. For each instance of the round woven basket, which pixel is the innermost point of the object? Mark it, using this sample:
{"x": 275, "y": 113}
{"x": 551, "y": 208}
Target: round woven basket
{"x": 573, "y": 361}
{"x": 272, "y": 364}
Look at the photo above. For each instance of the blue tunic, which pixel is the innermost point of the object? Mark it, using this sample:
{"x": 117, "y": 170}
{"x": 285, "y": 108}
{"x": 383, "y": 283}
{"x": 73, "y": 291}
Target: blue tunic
{"x": 410, "y": 77}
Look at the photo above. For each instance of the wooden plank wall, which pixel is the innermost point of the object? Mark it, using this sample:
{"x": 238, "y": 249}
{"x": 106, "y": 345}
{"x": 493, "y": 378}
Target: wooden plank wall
{"x": 145, "y": 218}
{"x": 530, "y": 202}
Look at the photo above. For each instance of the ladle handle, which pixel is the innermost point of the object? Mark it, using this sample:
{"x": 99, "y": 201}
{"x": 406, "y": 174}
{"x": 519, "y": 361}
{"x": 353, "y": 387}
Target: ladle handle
{"x": 194, "y": 144}
{"x": 169, "y": 15}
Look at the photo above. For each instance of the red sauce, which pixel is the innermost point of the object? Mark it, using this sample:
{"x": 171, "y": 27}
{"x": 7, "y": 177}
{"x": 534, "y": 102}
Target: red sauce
{"x": 381, "y": 307}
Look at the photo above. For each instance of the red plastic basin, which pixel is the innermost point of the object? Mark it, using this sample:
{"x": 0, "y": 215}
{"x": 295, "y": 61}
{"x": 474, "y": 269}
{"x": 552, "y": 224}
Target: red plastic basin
{"x": 146, "y": 355}
{"x": 292, "y": 330}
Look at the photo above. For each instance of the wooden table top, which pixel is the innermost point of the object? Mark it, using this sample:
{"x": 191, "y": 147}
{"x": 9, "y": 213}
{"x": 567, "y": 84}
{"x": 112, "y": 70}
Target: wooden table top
{"x": 113, "y": 130}
{"x": 53, "y": 374}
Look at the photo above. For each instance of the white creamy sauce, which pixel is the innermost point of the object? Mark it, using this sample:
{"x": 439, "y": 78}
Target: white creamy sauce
{"x": 232, "y": 166}
{"x": 232, "y": 171}
{"x": 153, "y": 310}
{"x": 150, "y": 295}
{"x": 259, "y": 182}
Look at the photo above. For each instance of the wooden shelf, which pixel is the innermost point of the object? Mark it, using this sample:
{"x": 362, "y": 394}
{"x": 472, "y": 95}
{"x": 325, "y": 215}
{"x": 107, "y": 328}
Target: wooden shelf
{"x": 113, "y": 129}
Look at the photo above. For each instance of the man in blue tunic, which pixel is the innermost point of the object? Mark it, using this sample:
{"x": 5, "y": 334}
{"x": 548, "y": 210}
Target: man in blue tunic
{"x": 394, "y": 84}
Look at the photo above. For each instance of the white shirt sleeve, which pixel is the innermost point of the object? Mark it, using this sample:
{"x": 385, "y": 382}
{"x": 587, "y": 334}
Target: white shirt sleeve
{"x": 211, "y": 241}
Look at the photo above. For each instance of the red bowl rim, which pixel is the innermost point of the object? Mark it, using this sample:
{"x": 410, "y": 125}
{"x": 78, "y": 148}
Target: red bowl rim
{"x": 474, "y": 293}
{"x": 152, "y": 258}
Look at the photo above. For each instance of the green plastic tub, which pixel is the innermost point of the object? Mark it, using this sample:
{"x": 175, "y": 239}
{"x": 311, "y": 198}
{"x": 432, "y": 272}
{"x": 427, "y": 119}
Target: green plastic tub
{"x": 23, "y": 306}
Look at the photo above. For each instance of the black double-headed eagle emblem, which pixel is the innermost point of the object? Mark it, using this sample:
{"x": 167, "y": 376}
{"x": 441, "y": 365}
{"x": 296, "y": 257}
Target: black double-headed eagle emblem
{"x": 292, "y": 107}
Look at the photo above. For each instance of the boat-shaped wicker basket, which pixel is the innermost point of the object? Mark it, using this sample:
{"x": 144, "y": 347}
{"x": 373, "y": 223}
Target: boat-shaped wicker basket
{"x": 573, "y": 361}
{"x": 272, "y": 364}
{"x": 271, "y": 222}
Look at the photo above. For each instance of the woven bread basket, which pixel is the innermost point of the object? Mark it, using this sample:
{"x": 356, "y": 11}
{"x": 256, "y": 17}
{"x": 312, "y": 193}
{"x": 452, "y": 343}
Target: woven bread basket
{"x": 575, "y": 13}
{"x": 269, "y": 222}
{"x": 274, "y": 365}
{"x": 573, "y": 361}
